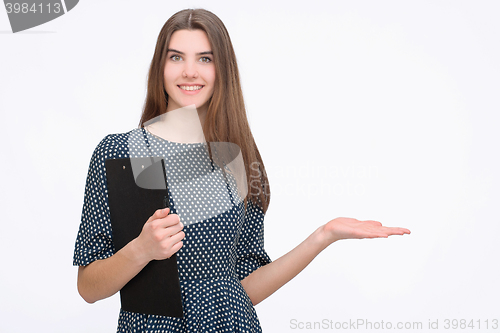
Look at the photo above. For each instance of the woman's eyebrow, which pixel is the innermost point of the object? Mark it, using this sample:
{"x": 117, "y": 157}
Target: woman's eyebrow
{"x": 199, "y": 53}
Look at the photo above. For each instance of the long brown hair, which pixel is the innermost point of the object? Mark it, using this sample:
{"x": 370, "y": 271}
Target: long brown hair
{"x": 226, "y": 119}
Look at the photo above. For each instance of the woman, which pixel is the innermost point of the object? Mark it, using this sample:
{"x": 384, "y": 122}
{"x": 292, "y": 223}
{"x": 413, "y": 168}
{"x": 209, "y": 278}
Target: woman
{"x": 223, "y": 267}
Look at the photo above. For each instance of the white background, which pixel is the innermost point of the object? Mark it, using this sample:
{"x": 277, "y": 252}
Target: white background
{"x": 384, "y": 110}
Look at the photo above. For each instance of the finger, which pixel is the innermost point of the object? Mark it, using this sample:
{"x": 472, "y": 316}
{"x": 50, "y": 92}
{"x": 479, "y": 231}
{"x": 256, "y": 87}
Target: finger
{"x": 400, "y": 231}
{"x": 168, "y": 221}
{"x": 372, "y": 235}
{"x": 174, "y": 239}
{"x": 396, "y": 233}
{"x": 396, "y": 229}
{"x": 171, "y": 250}
{"x": 378, "y": 234}
{"x": 176, "y": 247}
{"x": 172, "y": 230}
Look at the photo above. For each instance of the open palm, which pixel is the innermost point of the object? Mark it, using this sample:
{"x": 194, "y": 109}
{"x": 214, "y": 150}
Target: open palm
{"x": 349, "y": 228}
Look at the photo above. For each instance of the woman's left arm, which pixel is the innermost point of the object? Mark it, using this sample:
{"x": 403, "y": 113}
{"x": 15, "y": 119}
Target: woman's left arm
{"x": 267, "y": 279}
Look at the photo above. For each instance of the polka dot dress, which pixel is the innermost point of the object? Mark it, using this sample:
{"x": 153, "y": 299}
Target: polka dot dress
{"x": 223, "y": 242}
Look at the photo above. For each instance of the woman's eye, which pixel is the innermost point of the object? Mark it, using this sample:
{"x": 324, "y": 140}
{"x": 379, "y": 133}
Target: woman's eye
{"x": 205, "y": 59}
{"x": 175, "y": 57}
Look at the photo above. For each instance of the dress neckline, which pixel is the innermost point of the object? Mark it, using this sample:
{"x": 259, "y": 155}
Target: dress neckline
{"x": 158, "y": 138}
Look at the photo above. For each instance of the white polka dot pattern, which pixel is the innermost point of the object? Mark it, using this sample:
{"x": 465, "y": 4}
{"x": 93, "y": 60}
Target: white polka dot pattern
{"x": 223, "y": 243}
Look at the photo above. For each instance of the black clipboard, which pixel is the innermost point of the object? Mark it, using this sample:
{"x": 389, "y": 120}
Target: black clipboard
{"x": 155, "y": 289}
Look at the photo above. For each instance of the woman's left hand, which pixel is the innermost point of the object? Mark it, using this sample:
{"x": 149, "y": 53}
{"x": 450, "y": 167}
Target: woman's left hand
{"x": 349, "y": 228}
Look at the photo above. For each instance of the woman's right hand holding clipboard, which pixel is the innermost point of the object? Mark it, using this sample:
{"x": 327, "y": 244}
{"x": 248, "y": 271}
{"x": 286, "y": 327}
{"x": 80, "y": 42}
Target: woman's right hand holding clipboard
{"x": 161, "y": 236}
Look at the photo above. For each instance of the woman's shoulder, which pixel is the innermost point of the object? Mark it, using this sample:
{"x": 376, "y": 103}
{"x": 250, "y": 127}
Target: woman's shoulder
{"x": 116, "y": 145}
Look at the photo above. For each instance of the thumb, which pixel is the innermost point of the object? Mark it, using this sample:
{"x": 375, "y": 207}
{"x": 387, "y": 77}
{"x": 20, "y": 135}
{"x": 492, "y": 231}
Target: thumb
{"x": 159, "y": 213}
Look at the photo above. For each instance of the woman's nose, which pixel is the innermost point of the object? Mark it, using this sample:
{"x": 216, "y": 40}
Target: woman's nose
{"x": 190, "y": 70}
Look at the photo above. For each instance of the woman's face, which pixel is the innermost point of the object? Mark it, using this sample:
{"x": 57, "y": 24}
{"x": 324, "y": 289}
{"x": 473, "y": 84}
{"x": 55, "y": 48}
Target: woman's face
{"x": 189, "y": 74}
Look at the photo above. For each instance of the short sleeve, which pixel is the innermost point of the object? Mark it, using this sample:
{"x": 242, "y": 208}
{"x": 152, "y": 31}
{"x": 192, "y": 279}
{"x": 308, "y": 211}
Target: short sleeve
{"x": 94, "y": 239}
{"x": 250, "y": 248}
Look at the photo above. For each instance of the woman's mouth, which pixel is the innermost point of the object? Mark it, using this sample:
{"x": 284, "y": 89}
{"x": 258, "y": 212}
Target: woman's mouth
{"x": 190, "y": 88}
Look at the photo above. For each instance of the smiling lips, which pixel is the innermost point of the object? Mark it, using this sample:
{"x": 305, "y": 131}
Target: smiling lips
{"x": 191, "y": 88}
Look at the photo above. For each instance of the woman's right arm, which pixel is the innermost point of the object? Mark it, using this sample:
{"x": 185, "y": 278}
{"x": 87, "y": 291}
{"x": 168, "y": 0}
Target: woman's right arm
{"x": 160, "y": 238}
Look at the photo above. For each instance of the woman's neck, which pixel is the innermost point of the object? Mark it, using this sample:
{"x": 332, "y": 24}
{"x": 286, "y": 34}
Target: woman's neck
{"x": 183, "y": 125}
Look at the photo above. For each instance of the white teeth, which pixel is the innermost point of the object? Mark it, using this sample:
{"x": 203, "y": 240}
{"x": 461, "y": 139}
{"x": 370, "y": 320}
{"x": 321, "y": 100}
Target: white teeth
{"x": 191, "y": 87}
